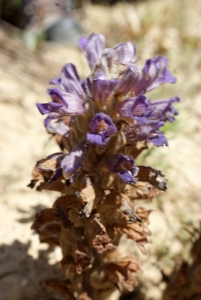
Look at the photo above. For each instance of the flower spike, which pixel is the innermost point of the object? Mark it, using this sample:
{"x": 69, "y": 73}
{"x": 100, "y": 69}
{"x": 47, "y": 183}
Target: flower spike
{"x": 101, "y": 124}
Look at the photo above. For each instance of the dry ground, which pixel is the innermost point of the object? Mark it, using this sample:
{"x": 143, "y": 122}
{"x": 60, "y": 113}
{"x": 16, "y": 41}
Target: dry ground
{"x": 171, "y": 28}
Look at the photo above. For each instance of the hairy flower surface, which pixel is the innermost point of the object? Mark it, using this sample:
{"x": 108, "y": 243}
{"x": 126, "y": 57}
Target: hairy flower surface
{"x": 102, "y": 123}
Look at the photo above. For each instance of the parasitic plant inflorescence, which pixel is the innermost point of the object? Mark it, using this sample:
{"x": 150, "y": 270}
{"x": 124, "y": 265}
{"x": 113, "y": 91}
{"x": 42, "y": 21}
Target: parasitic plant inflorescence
{"x": 101, "y": 123}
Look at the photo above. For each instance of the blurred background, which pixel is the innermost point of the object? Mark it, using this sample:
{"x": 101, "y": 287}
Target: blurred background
{"x": 37, "y": 37}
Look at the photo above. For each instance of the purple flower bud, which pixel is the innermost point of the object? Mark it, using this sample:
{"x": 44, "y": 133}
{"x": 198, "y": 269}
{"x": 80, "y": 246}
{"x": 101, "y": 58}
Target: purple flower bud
{"x": 64, "y": 104}
{"x": 92, "y": 47}
{"x": 102, "y": 128}
{"x": 72, "y": 162}
{"x": 123, "y": 166}
{"x": 146, "y": 131}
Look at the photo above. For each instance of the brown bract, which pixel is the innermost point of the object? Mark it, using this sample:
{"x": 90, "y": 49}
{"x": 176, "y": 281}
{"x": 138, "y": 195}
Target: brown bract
{"x": 46, "y": 169}
{"x": 123, "y": 203}
{"x": 137, "y": 232}
{"x": 84, "y": 296}
{"x": 141, "y": 190}
{"x": 59, "y": 285}
{"x": 97, "y": 234}
{"x": 61, "y": 208}
{"x": 47, "y": 226}
{"x": 86, "y": 198}
{"x": 153, "y": 176}
{"x": 56, "y": 185}
{"x": 79, "y": 260}
{"x": 121, "y": 272}
{"x": 117, "y": 273}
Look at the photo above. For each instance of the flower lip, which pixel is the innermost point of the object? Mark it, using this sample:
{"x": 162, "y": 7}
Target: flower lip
{"x": 102, "y": 129}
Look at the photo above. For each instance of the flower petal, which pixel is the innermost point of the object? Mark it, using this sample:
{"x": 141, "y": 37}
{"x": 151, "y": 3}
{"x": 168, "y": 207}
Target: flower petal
{"x": 73, "y": 161}
{"x": 71, "y": 81}
{"x": 72, "y": 105}
{"x": 163, "y": 74}
{"x": 56, "y": 81}
{"x": 128, "y": 80}
{"x": 92, "y": 47}
{"x": 101, "y": 89}
{"x": 86, "y": 86}
{"x": 158, "y": 139}
{"x": 124, "y": 53}
{"x": 46, "y": 108}
{"x": 123, "y": 166}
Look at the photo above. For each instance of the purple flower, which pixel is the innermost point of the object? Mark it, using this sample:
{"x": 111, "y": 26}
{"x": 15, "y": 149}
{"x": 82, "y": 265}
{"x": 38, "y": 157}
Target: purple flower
{"x": 72, "y": 162}
{"x": 64, "y": 104}
{"x": 163, "y": 109}
{"x": 92, "y": 47}
{"x": 58, "y": 127}
{"x": 137, "y": 108}
{"x": 102, "y": 128}
{"x": 123, "y": 166}
{"x": 101, "y": 87}
{"x": 144, "y": 110}
{"x": 70, "y": 81}
{"x": 146, "y": 131}
{"x": 154, "y": 74}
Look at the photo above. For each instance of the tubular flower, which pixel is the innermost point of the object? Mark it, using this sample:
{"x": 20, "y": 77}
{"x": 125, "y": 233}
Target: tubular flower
{"x": 123, "y": 166}
{"x": 101, "y": 123}
{"x": 102, "y": 128}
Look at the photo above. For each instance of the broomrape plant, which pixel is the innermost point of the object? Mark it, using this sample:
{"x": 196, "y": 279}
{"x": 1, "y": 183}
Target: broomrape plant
{"x": 101, "y": 123}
